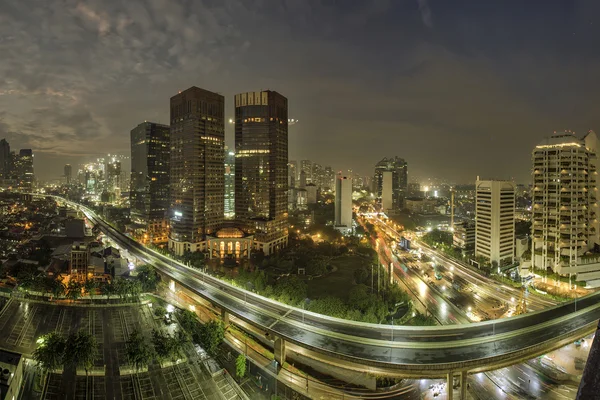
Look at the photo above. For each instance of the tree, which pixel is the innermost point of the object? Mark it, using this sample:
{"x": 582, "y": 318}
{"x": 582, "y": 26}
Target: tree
{"x": 50, "y": 351}
{"x": 159, "y": 311}
{"x": 90, "y": 287}
{"x": 58, "y": 288}
{"x": 211, "y": 336}
{"x": 74, "y": 289}
{"x": 166, "y": 346}
{"x": 148, "y": 277}
{"x": 81, "y": 350}
{"x": 108, "y": 290}
{"x": 240, "y": 366}
{"x": 139, "y": 353}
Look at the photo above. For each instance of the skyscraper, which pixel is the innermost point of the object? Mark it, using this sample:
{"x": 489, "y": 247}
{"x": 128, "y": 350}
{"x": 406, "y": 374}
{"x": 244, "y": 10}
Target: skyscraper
{"x": 229, "y": 184}
{"x": 495, "y": 220}
{"x": 399, "y": 183}
{"x": 343, "y": 204}
{"x": 292, "y": 173}
{"x": 261, "y": 171}
{"x": 68, "y": 170}
{"x": 5, "y": 160}
{"x": 149, "y": 183}
{"x": 197, "y": 168}
{"x": 24, "y": 169}
{"x": 306, "y": 166}
{"x": 565, "y": 209}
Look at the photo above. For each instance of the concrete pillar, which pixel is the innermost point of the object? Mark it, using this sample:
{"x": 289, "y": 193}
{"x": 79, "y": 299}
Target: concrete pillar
{"x": 463, "y": 385}
{"x": 449, "y": 384}
{"x": 279, "y": 348}
{"x": 225, "y": 317}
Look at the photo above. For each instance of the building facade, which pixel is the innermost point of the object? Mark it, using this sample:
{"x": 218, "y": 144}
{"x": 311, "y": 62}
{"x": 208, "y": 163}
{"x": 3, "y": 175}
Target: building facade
{"x": 565, "y": 226}
{"x": 261, "y": 167}
{"x": 23, "y": 166}
{"x": 149, "y": 182}
{"x": 229, "y": 184}
{"x": 495, "y": 221}
{"x": 68, "y": 171}
{"x": 343, "y": 204}
{"x": 5, "y": 160}
{"x": 399, "y": 180}
{"x": 464, "y": 236}
{"x": 197, "y": 136}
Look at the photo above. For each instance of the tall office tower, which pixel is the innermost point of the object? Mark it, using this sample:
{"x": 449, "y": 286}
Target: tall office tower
{"x": 149, "y": 183}
{"x": 306, "y": 166}
{"x": 229, "y": 183}
{"x": 68, "y": 173}
{"x": 565, "y": 209}
{"x": 495, "y": 221}
{"x": 292, "y": 173}
{"x": 317, "y": 175}
{"x": 197, "y": 168}
{"x": 261, "y": 147}
{"x": 329, "y": 182}
{"x": 112, "y": 174}
{"x": 343, "y": 204}
{"x": 303, "y": 180}
{"x": 398, "y": 167}
{"x": 24, "y": 169}
{"x": 387, "y": 190}
{"x": 5, "y": 160}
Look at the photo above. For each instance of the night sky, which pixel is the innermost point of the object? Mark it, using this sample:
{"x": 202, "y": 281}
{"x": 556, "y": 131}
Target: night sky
{"x": 458, "y": 88}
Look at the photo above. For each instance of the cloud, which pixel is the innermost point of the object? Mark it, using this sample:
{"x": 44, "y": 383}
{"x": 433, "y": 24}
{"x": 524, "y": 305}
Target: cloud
{"x": 425, "y": 13}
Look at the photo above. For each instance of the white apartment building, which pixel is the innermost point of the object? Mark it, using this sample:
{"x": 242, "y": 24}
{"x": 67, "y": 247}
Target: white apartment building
{"x": 343, "y": 204}
{"x": 495, "y": 220}
{"x": 565, "y": 208}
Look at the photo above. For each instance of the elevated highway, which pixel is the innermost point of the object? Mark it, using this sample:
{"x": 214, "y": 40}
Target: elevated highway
{"x": 401, "y": 351}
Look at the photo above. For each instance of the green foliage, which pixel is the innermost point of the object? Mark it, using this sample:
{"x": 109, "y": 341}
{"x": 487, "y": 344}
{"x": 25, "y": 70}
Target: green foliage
{"x": 329, "y": 305}
{"x": 361, "y": 275}
{"x": 81, "y": 350}
{"x": 240, "y": 366}
{"x": 167, "y": 347}
{"x": 422, "y": 320}
{"x": 138, "y": 351}
{"x": 74, "y": 289}
{"x": 148, "y": 278}
{"x": 290, "y": 290}
{"x": 50, "y": 352}
{"x": 90, "y": 287}
{"x": 211, "y": 336}
{"x": 438, "y": 237}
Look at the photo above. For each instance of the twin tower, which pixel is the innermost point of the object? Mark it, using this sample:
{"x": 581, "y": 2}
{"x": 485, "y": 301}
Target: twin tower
{"x": 196, "y": 174}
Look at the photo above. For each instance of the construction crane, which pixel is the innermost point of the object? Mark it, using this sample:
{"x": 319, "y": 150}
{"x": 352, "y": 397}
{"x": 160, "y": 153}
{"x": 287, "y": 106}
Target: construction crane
{"x": 521, "y": 307}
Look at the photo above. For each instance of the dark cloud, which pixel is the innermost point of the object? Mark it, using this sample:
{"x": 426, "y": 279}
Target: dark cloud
{"x": 458, "y": 88}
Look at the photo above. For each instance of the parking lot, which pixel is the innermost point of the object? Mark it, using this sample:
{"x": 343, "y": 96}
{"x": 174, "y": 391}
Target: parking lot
{"x": 25, "y": 321}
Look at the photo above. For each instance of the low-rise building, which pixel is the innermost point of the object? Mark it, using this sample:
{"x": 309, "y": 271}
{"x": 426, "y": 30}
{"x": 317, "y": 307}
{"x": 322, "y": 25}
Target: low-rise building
{"x": 420, "y": 205}
{"x": 464, "y": 236}
{"x": 11, "y": 375}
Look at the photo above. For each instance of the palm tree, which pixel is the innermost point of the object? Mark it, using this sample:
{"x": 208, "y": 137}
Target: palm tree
{"x": 139, "y": 353}
{"x": 50, "y": 352}
{"x": 90, "y": 287}
{"x": 74, "y": 290}
{"x": 81, "y": 350}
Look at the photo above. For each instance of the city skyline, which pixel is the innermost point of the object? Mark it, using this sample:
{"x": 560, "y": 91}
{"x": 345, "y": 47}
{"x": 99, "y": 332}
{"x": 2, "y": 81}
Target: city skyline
{"x": 67, "y": 106}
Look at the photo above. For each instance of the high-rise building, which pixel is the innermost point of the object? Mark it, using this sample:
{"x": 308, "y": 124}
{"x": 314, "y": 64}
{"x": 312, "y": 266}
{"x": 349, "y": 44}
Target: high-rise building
{"x": 387, "y": 190}
{"x": 495, "y": 220}
{"x": 149, "y": 183}
{"x": 399, "y": 185}
{"x": 68, "y": 170}
{"x": 565, "y": 224}
{"x": 112, "y": 175}
{"x": 292, "y": 173}
{"x": 329, "y": 182}
{"x": 197, "y": 168}
{"x": 5, "y": 160}
{"x": 343, "y": 204}
{"x": 318, "y": 175}
{"x": 24, "y": 169}
{"x": 311, "y": 193}
{"x": 261, "y": 167}
{"x": 306, "y": 166}
{"x": 229, "y": 183}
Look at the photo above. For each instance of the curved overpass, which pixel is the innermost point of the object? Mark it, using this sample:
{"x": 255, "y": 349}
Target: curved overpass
{"x": 383, "y": 349}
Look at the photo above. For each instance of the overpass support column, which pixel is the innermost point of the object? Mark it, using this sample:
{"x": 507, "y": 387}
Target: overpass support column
{"x": 279, "y": 348}
{"x": 225, "y": 317}
{"x": 463, "y": 385}
{"x": 449, "y": 385}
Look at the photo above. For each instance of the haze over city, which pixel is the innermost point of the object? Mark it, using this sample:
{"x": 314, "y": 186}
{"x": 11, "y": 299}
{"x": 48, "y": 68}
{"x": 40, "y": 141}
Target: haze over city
{"x": 452, "y": 86}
